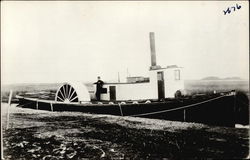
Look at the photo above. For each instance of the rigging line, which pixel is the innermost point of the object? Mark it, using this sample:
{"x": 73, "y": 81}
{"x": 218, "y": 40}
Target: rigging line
{"x": 174, "y": 109}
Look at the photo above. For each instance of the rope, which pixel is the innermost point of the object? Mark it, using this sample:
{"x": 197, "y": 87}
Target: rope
{"x": 37, "y": 105}
{"x": 51, "y": 107}
{"x": 174, "y": 109}
{"x": 120, "y": 109}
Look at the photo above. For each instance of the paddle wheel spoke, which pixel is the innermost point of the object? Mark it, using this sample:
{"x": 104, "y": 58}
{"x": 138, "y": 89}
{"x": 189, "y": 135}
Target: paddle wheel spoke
{"x": 60, "y": 98}
{"x": 71, "y": 100}
{"x": 61, "y": 93}
{"x": 69, "y": 91}
{"x": 72, "y": 94}
{"x": 64, "y": 92}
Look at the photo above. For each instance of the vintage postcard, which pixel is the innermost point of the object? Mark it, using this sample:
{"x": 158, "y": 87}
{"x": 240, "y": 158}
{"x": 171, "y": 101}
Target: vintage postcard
{"x": 124, "y": 79}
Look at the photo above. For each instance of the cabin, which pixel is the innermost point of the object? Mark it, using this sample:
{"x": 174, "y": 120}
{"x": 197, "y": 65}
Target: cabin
{"x": 163, "y": 82}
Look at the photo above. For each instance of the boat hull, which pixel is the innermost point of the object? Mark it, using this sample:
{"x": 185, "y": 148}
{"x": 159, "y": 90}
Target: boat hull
{"x": 212, "y": 110}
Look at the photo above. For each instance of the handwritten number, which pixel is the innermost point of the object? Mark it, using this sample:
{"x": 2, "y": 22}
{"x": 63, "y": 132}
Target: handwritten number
{"x": 238, "y": 6}
{"x": 227, "y": 11}
{"x": 234, "y": 8}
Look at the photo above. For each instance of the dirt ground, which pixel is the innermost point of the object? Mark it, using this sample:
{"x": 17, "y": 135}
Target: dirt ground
{"x": 36, "y": 134}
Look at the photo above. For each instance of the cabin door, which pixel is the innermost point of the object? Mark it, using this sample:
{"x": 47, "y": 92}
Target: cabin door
{"x": 112, "y": 91}
{"x": 160, "y": 81}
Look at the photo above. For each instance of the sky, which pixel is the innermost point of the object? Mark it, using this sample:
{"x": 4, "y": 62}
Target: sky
{"x": 60, "y": 41}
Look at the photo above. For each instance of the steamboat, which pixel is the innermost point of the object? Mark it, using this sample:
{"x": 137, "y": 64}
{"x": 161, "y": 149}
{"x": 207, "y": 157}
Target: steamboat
{"x": 159, "y": 96}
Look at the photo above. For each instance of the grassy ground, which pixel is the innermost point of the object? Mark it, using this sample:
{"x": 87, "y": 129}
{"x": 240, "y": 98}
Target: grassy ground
{"x": 36, "y": 134}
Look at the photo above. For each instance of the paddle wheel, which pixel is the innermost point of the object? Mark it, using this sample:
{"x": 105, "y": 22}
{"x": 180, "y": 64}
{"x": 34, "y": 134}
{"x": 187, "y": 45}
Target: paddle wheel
{"x": 72, "y": 93}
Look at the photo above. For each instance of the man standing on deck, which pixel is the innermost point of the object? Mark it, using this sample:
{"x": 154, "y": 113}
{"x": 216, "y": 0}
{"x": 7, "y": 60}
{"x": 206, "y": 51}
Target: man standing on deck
{"x": 99, "y": 85}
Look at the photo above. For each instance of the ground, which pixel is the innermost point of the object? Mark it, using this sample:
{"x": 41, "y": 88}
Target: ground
{"x": 36, "y": 134}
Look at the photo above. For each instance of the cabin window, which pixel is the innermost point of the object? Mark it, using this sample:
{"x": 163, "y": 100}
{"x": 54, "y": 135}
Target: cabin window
{"x": 160, "y": 76}
{"x": 177, "y": 74}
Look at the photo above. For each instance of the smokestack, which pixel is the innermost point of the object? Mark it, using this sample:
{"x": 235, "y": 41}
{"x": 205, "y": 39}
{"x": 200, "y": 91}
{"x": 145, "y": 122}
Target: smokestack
{"x": 152, "y": 48}
{"x": 153, "y": 54}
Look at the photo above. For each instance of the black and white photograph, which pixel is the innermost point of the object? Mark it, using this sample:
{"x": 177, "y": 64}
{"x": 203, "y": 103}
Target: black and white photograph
{"x": 114, "y": 80}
